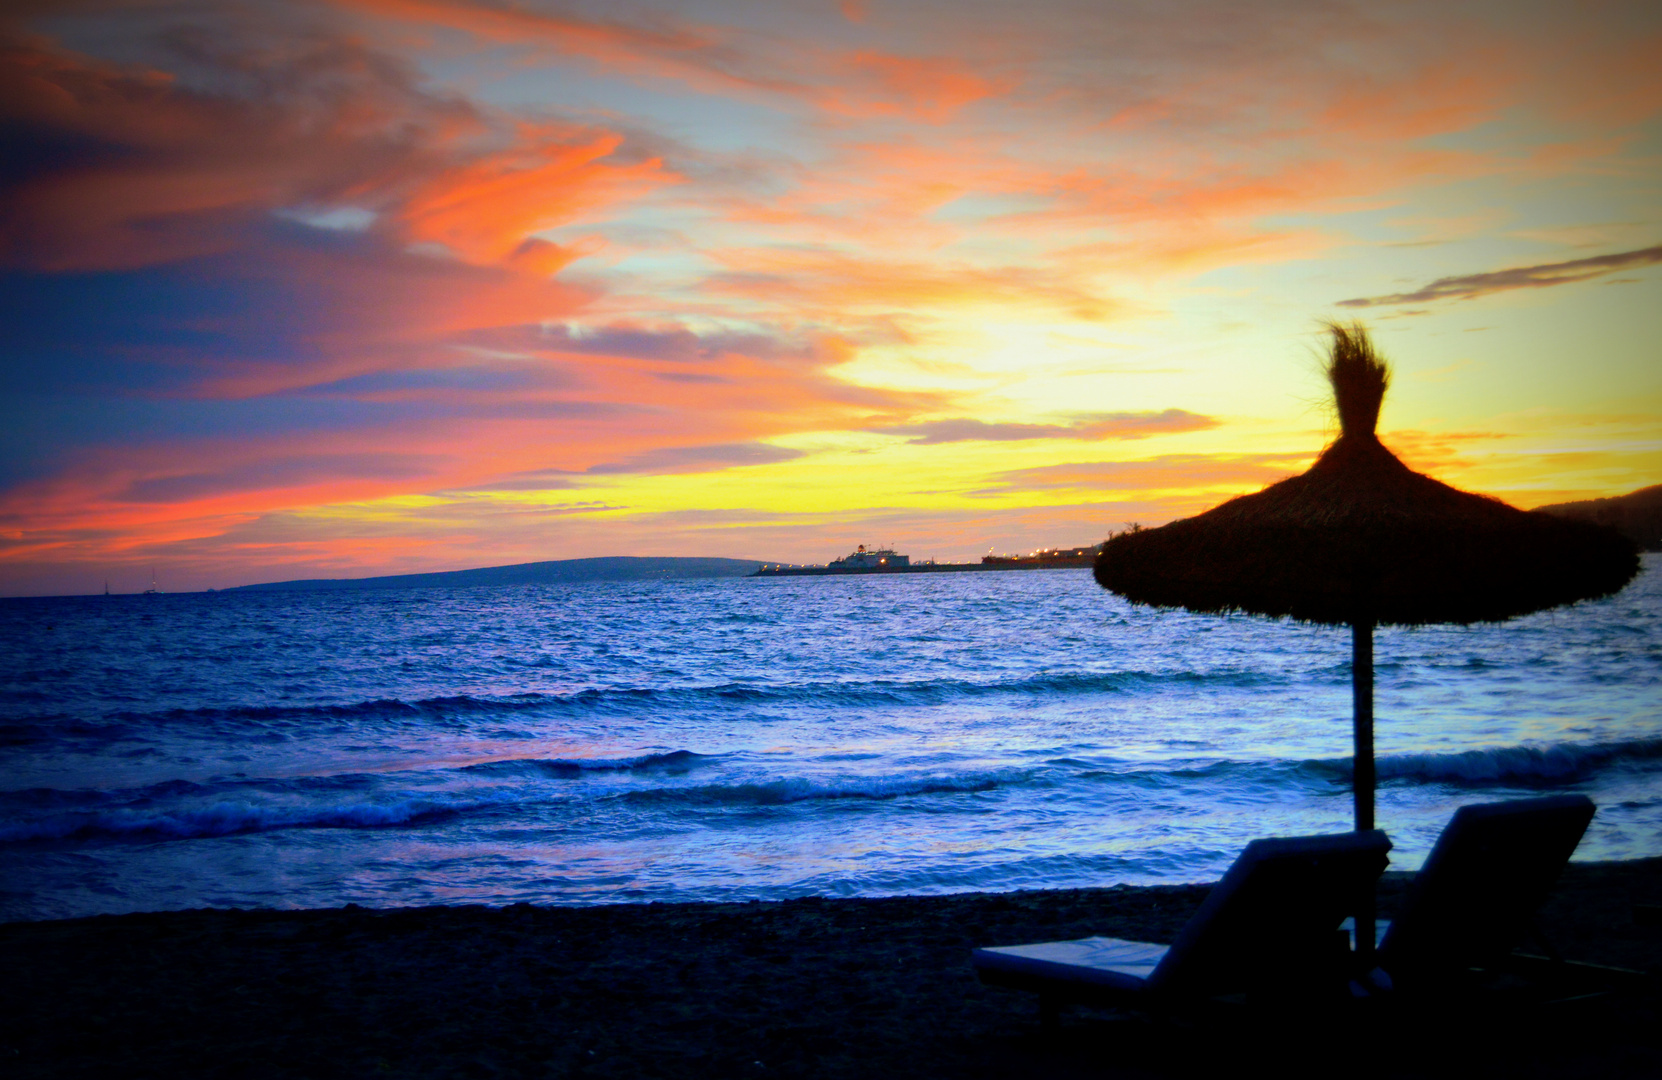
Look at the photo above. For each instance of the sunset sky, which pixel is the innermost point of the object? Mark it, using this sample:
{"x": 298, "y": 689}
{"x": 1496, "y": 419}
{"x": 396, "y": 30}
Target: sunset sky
{"x": 342, "y": 288}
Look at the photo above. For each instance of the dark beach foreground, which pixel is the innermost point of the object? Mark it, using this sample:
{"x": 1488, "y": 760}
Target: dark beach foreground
{"x": 804, "y": 988}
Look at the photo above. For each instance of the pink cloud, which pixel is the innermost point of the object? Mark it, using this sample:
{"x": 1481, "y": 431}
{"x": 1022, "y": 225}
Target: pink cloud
{"x": 722, "y": 60}
{"x": 665, "y": 49}
{"x": 486, "y": 210}
{"x": 930, "y": 89}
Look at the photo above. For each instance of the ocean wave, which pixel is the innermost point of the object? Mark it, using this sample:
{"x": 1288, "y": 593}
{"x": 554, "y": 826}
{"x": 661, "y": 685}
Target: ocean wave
{"x": 793, "y": 790}
{"x": 377, "y": 709}
{"x": 228, "y": 818}
{"x": 127, "y": 809}
{"x": 209, "y": 814}
{"x": 673, "y": 762}
{"x": 1043, "y": 684}
{"x": 1536, "y": 766}
{"x": 819, "y": 694}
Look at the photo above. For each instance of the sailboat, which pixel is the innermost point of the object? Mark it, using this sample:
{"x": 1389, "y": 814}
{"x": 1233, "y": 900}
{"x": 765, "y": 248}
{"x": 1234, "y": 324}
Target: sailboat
{"x": 152, "y": 590}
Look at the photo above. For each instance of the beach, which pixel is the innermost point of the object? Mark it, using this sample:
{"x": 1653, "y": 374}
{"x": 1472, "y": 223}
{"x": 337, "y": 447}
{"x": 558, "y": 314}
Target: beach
{"x": 804, "y": 988}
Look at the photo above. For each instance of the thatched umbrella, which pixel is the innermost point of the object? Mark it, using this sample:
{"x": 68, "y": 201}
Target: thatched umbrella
{"x": 1362, "y": 540}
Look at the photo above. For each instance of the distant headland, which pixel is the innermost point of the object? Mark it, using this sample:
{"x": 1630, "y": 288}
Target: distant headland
{"x": 663, "y": 568}
{"x": 556, "y": 571}
{"x": 1638, "y": 514}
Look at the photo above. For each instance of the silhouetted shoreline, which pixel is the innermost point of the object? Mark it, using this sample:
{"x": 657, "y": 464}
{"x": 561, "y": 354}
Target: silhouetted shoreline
{"x": 617, "y": 568}
{"x": 1638, "y": 514}
{"x": 801, "y": 988}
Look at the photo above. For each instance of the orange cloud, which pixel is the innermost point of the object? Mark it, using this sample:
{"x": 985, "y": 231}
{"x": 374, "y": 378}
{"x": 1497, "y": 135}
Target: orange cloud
{"x": 1170, "y": 472}
{"x": 1436, "y": 453}
{"x": 703, "y": 58}
{"x": 931, "y": 89}
{"x": 831, "y": 282}
{"x": 861, "y": 83}
{"x": 125, "y": 166}
{"x": 1604, "y": 80}
{"x": 486, "y": 210}
{"x": 1445, "y": 95}
{"x": 170, "y": 172}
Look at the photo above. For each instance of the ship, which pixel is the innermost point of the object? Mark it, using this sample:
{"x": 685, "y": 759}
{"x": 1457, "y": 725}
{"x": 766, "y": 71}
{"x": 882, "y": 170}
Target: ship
{"x": 1047, "y": 558}
{"x": 861, "y": 559}
{"x": 889, "y": 561}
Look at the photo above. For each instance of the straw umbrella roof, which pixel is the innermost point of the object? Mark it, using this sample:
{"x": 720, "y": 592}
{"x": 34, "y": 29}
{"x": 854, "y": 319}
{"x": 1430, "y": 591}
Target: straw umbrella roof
{"x": 1360, "y": 536}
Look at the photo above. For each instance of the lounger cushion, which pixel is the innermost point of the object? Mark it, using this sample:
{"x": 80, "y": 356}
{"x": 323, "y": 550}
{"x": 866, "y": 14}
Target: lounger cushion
{"x": 1110, "y": 963}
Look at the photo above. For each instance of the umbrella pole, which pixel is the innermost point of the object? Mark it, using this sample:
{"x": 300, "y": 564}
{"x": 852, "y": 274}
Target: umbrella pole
{"x": 1362, "y": 771}
{"x": 1361, "y": 686}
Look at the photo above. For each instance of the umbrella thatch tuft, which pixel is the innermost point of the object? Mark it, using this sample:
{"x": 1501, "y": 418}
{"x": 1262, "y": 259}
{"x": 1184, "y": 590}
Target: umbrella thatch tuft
{"x": 1359, "y": 377}
{"x": 1362, "y": 538}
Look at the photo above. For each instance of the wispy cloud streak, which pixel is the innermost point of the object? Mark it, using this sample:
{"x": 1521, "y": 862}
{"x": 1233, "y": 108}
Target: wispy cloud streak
{"x": 1093, "y": 428}
{"x": 1471, "y": 286}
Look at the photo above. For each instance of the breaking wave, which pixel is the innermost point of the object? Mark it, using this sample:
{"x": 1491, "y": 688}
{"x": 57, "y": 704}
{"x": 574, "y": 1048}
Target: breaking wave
{"x": 228, "y": 818}
{"x": 1535, "y": 766}
{"x": 793, "y": 790}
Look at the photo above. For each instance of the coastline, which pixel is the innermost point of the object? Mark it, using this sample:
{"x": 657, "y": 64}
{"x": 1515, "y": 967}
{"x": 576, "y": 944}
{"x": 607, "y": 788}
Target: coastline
{"x": 808, "y": 987}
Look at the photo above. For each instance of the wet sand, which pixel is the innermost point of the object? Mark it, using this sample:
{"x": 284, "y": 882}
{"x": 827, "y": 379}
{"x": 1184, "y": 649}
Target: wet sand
{"x": 805, "y": 988}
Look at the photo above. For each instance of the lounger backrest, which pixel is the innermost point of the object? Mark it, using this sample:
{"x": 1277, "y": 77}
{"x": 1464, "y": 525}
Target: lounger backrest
{"x": 1491, "y": 869}
{"x": 1275, "y": 913}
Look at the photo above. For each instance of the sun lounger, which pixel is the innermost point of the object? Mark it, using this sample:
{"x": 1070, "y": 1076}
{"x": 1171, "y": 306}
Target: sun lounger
{"x": 1475, "y": 898}
{"x": 1270, "y": 927}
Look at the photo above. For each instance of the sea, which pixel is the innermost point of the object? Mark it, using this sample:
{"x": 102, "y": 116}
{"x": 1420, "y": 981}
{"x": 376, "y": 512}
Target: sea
{"x": 743, "y": 738}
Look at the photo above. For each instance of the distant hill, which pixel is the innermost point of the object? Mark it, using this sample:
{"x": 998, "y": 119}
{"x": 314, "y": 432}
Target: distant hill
{"x": 609, "y": 568}
{"x": 1638, "y": 514}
